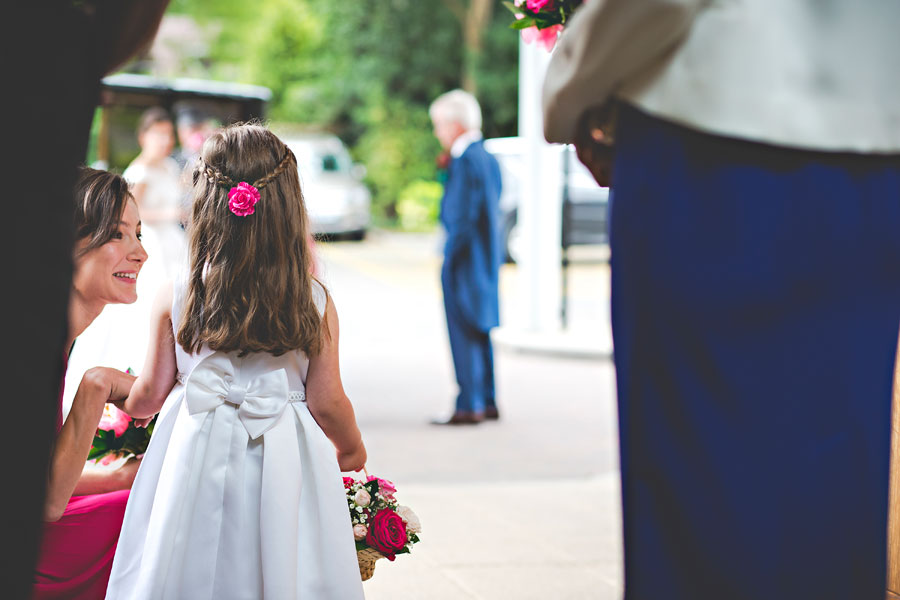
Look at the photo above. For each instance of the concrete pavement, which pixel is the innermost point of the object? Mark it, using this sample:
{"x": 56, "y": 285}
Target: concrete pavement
{"x": 526, "y": 507}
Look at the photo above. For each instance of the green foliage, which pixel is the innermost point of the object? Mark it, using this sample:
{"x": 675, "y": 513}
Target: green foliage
{"x": 497, "y": 78}
{"x": 419, "y": 205}
{"x": 554, "y": 13}
{"x": 366, "y": 71}
{"x": 286, "y": 31}
{"x": 397, "y": 148}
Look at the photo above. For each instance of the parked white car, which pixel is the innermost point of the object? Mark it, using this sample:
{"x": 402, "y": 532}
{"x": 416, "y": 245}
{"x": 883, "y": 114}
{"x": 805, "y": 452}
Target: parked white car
{"x": 337, "y": 200}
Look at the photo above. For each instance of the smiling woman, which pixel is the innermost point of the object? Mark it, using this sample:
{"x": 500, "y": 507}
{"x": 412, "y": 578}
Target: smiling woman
{"x": 84, "y": 508}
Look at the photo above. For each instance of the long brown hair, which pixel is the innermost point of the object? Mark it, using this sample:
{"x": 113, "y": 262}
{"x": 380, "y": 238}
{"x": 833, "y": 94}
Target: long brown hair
{"x": 250, "y": 283}
{"x": 99, "y": 201}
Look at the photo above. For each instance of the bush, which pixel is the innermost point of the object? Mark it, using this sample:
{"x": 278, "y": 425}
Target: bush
{"x": 419, "y": 205}
{"x": 397, "y": 149}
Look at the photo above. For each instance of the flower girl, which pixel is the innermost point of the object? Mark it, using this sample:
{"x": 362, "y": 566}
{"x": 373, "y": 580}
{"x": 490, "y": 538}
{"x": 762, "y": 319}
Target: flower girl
{"x": 240, "y": 492}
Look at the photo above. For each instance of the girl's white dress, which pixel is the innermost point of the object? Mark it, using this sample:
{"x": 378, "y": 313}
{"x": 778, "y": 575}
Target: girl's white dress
{"x": 239, "y": 495}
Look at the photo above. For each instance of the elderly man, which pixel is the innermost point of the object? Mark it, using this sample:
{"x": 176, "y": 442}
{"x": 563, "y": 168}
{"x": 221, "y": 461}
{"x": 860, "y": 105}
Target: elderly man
{"x": 470, "y": 215}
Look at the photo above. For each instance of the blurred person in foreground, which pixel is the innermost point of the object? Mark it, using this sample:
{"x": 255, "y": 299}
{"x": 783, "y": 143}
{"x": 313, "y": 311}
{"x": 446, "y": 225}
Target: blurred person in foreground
{"x": 755, "y": 283}
{"x": 470, "y": 216}
{"x": 55, "y": 55}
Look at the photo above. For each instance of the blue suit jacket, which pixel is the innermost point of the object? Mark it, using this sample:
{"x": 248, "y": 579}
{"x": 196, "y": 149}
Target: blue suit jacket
{"x": 470, "y": 213}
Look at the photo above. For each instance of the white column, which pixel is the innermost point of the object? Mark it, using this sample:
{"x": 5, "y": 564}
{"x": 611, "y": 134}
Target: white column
{"x": 540, "y": 204}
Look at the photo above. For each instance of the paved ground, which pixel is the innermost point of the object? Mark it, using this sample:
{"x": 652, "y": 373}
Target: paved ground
{"x": 523, "y": 508}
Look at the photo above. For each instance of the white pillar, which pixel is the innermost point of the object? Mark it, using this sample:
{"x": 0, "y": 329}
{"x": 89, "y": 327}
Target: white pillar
{"x": 540, "y": 204}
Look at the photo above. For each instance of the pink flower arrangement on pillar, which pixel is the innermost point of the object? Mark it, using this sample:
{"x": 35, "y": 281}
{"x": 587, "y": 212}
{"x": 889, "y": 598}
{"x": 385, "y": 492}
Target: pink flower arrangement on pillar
{"x": 542, "y": 21}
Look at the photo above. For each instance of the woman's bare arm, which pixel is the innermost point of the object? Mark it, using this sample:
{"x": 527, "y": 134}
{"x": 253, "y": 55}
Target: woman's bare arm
{"x": 101, "y": 482}
{"x": 70, "y": 451}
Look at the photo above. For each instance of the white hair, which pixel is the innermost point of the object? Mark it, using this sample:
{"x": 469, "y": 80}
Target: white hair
{"x": 457, "y": 106}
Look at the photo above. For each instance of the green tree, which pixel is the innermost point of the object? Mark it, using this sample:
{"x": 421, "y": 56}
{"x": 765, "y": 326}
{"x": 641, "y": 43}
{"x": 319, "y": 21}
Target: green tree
{"x": 368, "y": 71}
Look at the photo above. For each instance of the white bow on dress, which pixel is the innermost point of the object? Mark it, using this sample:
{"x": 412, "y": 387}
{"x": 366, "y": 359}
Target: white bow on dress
{"x": 260, "y": 404}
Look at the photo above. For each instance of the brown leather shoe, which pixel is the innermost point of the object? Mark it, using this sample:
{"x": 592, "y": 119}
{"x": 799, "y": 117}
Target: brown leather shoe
{"x": 491, "y": 413}
{"x": 461, "y": 418}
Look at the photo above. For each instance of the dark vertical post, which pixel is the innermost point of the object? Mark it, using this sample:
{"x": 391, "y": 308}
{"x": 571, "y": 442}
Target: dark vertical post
{"x": 566, "y": 226}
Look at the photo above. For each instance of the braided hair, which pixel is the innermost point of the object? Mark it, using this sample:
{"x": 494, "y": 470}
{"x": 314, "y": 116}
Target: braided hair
{"x": 250, "y": 281}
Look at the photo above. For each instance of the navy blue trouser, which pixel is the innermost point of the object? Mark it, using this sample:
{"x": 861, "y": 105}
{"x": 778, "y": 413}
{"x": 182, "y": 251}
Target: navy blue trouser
{"x": 473, "y": 360}
{"x": 755, "y": 299}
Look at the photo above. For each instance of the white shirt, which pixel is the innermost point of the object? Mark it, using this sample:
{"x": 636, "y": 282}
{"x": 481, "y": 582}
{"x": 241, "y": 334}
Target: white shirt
{"x": 815, "y": 74}
{"x": 462, "y": 143}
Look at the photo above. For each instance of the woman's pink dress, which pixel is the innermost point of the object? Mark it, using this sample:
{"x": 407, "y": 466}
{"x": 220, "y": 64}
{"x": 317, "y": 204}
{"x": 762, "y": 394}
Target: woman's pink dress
{"x": 77, "y": 551}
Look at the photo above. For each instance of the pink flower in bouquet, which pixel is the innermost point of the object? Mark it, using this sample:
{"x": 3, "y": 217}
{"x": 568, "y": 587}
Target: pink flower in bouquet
{"x": 348, "y": 482}
{"x": 242, "y": 199}
{"x": 543, "y": 37}
{"x": 387, "y": 533}
{"x": 413, "y": 525}
{"x": 114, "y": 420}
{"x": 537, "y": 5}
{"x": 362, "y": 497}
{"x": 385, "y": 487}
{"x": 359, "y": 532}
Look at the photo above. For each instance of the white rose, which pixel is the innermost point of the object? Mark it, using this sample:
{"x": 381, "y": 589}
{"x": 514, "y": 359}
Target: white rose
{"x": 410, "y": 518}
{"x": 359, "y": 532}
{"x": 362, "y": 498}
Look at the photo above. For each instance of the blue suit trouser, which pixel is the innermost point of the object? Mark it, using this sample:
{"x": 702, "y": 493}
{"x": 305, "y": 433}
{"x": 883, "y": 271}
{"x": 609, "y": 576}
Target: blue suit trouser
{"x": 473, "y": 360}
{"x": 756, "y": 299}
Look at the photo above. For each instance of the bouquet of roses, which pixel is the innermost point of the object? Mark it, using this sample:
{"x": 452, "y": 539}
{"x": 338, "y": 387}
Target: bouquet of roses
{"x": 542, "y": 20}
{"x": 118, "y": 437}
{"x": 382, "y": 527}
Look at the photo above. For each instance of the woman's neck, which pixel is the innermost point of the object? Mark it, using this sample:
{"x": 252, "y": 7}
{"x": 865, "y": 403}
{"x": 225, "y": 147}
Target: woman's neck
{"x": 81, "y": 314}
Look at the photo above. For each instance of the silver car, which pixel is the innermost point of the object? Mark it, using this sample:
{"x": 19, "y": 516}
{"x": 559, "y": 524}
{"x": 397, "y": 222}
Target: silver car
{"x": 337, "y": 200}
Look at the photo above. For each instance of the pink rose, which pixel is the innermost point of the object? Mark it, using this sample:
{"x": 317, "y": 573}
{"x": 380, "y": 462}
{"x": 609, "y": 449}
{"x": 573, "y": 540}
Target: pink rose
{"x": 362, "y": 497}
{"x": 385, "y": 487}
{"x": 242, "y": 199}
{"x": 114, "y": 420}
{"x": 359, "y": 532}
{"x": 544, "y": 37}
{"x": 537, "y": 5}
{"x": 387, "y": 533}
{"x": 348, "y": 482}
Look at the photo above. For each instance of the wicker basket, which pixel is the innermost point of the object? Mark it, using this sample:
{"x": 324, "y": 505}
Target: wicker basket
{"x": 367, "y": 558}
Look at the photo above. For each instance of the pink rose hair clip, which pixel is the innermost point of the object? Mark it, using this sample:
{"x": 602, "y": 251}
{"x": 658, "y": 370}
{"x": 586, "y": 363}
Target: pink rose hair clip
{"x": 243, "y": 196}
{"x": 242, "y": 199}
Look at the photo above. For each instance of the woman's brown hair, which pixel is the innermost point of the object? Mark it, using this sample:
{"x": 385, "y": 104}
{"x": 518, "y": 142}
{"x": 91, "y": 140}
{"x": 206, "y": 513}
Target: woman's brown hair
{"x": 250, "y": 282}
{"x": 100, "y": 198}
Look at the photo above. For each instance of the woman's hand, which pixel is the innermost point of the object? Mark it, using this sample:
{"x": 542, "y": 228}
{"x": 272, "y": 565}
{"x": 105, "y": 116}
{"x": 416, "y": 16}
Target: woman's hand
{"x": 102, "y": 385}
{"x": 354, "y": 460}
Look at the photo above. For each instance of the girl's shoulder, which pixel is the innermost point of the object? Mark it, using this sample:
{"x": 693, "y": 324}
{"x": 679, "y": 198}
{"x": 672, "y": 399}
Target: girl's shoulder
{"x": 320, "y": 296}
